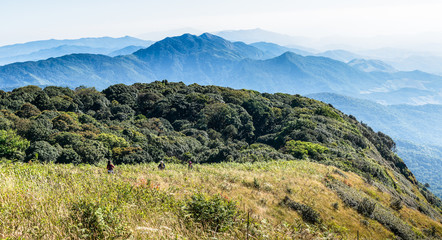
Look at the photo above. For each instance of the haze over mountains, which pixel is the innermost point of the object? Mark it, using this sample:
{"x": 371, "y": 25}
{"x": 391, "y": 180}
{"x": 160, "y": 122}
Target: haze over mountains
{"x": 39, "y": 50}
{"x": 263, "y": 66}
{"x": 425, "y": 57}
{"x": 209, "y": 59}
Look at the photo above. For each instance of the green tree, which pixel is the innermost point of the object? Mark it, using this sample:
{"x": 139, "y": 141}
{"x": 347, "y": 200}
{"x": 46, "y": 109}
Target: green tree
{"x": 42, "y": 151}
{"x": 12, "y": 146}
{"x": 300, "y": 149}
{"x": 112, "y": 141}
{"x": 28, "y": 110}
{"x": 123, "y": 94}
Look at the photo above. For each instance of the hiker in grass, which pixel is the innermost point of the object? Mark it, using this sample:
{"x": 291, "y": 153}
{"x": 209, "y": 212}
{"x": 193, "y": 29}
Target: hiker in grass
{"x": 162, "y": 166}
{"x": 190, "y": 166}
{"x": 110, "y": 167}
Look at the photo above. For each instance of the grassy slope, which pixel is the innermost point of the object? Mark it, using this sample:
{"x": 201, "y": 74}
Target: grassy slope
{"x": 38, "y": 201}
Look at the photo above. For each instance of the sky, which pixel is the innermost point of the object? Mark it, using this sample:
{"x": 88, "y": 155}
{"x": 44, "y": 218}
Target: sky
{"x": 326, "y": 21}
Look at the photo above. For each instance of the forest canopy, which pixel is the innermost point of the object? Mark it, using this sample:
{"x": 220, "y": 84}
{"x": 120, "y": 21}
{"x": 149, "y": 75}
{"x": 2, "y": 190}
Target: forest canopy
{"x": 174, "y": 122}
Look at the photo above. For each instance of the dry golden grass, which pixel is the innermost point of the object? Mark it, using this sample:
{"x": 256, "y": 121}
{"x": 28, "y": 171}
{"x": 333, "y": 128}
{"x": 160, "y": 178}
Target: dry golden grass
{"x": 36, "y": 200}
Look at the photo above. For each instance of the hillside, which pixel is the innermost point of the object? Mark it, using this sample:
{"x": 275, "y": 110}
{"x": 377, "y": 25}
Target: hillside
{"x": 209, "y": 59}
{"x": 299, "y": 164}
{"x": 415, "y": 129}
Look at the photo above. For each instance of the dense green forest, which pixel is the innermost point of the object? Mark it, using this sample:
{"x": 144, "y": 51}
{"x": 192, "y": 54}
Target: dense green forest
{"x": 176, "y": 123}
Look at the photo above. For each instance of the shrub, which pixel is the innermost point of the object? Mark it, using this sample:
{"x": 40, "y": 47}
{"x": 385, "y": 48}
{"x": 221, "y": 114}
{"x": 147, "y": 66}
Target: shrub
{"x": 215, "y": 213}
{"x": 40, "y": 129}
{"x": 366, "y": 207}
{"x": 42, "y": 151}
{"x": 91, "y": 152}
{"x": 394, "y": 224}
{"x": 256, "y": 183}
{"x": 69, "y": 156}
{"x": 28, "y": 110}
{"x": 12, "y": 146}
{"x": 92, "y": 221}
{"x": 300, "y": 149}
{"x": 112, "y": 141}
{"x": 308, "y": 214}
{"x": 396, "y": 204}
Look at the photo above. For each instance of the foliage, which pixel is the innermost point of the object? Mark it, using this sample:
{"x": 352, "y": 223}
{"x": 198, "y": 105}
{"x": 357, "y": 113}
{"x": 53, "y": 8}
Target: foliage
{"x": 396, "y": 204}
{"x": 366, "y": 207}
{"x": 308, "y": 214}
{"x": 216, "y": 213}
{"x": 42, "y": 151}
{"x": 300, "y": 149}
{"x": 12, "y": 146}
{"x": 112, "y": 141}
{"x": 140, "y": 202}
{"x": 69, "y": 156}
{"x": 93, "y": 221}
{"x": 176, "y": 123}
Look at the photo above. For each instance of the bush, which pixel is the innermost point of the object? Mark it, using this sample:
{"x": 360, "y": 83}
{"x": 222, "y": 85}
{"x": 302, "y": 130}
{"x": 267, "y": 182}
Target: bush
{"x": 300, "y": 149}
{"x": 91, "y": 152}
{"x": 42, "y": 151}
{"x": 308, "y": 214}
{"x": 366, "y": 207}
{"x": 215, "y": 213}
{"x": 39, "y": 130}
{"x": 28, "y": 110}
{"x": 69, "y": 156}
{"x": 92, "y": 221}
{"x": 112, "y": 141}
{"x": 12, "y": 146}
{"x": 396, "y": 204}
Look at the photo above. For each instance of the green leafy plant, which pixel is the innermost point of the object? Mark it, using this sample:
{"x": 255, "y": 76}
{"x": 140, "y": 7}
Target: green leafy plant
{"x": 12, "y": 146}
{"x": 94, "y": 221}
{"x": 216, "y": 213}
{"x": 300, "y": 149}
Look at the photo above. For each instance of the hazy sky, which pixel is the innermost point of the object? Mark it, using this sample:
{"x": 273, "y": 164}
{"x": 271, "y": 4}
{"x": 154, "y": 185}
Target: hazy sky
{"x": 27, "y": 20}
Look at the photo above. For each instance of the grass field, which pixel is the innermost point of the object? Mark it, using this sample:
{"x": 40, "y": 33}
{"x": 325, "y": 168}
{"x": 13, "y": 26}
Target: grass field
{"x": 140, "y": 202}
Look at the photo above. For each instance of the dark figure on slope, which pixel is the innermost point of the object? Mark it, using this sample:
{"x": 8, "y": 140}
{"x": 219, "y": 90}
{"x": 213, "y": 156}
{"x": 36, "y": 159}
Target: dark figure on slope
{"x": 161, "y": 166}
{"x": 110, "y": 167}
{"x": 190, "y": 166}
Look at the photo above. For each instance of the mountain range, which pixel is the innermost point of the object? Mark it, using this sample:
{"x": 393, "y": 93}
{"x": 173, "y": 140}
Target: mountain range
{"x": 39, "y": 50}
{"x": 209, "y": 59}
{"x": 260, "y": 35}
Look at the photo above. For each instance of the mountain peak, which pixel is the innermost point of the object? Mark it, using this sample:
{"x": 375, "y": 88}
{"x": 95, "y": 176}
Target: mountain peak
{"x": 209, "y": 36}
{"x": 205, "y": 44}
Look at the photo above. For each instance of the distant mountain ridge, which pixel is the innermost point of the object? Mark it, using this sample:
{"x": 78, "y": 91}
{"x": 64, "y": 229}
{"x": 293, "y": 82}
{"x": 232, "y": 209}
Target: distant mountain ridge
{"x": 39, "y": 50}
{"x": 210, "y": 59}
{"x": 274, "y": 50}
{"x": 371, "y": 65}
{"x": 340, "y": 55}
{"x": 261, "y": 35}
